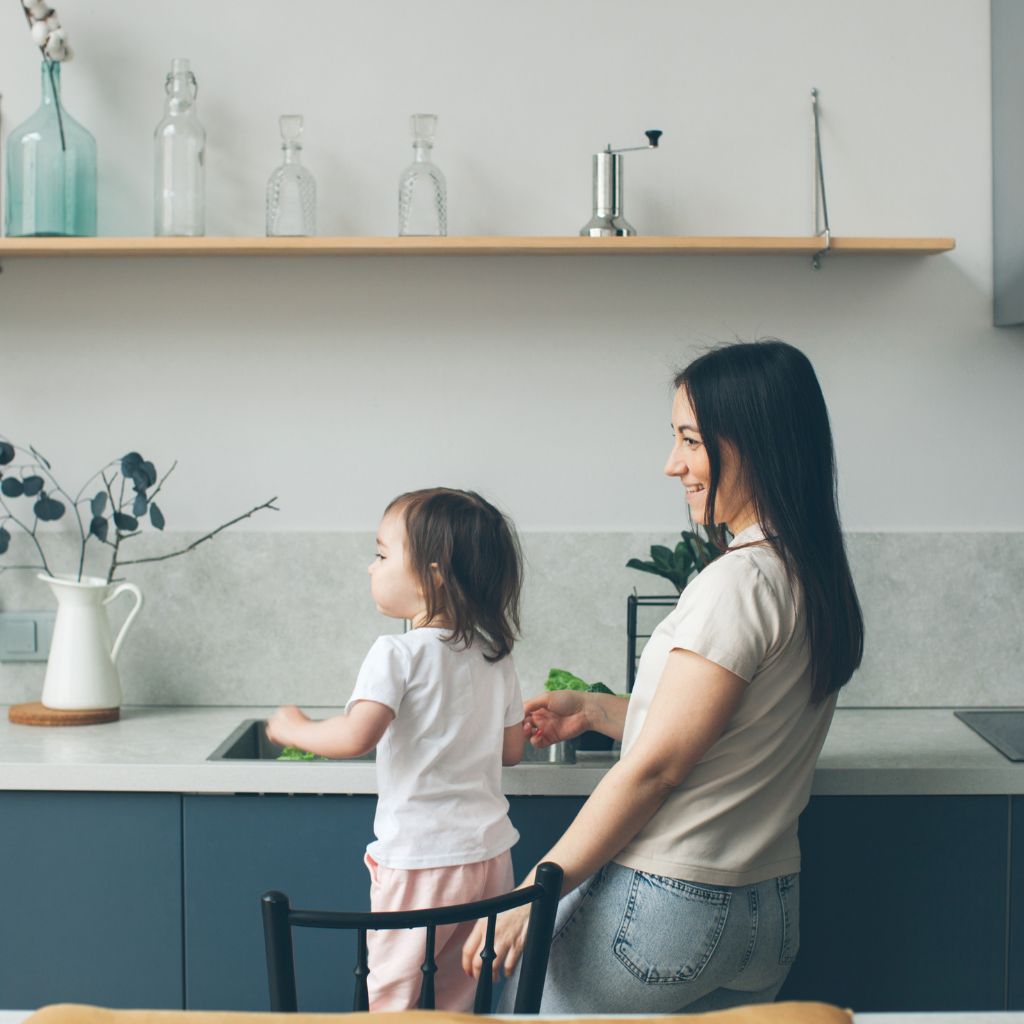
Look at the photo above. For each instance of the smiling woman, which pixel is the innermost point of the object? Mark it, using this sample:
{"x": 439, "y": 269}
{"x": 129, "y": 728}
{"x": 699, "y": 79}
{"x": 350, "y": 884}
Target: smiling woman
{"x": 683, "y": 865}
{"x": 690, "y": 462}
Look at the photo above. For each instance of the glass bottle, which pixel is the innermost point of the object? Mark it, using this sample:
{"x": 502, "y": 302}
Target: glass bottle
{"x": 51, "y": 169}
{"x": 179, "y": 187}
{"x": 291, "y": 190}
{"x": 422, "y": 193}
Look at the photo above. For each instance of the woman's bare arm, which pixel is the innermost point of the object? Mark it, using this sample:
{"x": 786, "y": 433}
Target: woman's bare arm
{"x": 693, "y": 704}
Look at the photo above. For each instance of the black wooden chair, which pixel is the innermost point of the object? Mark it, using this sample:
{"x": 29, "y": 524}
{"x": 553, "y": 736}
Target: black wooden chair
{"x": 279, "y": 918}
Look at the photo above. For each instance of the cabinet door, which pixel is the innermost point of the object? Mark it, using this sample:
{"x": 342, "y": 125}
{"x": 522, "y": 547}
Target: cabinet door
{"x": 541, "y": 820}
{"x": 236, "y": 848}
{"x": 1015, "y": 957}
{"x": 311, "y": 848}
{"x": 903, "y": 903}
{"x": 92, "y": 899}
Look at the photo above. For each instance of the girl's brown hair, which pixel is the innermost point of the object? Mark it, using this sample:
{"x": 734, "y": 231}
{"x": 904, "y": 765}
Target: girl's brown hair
{"x": 466, "y": 556}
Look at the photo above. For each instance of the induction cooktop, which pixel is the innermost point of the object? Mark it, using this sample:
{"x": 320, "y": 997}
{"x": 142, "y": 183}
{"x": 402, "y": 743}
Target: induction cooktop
{"x": 1004, "y": 729}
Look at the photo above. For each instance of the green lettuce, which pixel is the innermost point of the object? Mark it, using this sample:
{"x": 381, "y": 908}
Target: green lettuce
{"x": 294, "y": 754}
{"x": 561, "y": 679}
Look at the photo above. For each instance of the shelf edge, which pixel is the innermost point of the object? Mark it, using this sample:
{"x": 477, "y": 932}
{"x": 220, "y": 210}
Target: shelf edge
{"x": 465, "y": 246}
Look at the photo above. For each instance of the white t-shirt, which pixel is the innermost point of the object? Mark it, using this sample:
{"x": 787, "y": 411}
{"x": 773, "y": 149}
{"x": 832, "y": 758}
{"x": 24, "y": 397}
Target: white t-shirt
{"x": 733, "y": 820}
{"x": 439, "y": 762}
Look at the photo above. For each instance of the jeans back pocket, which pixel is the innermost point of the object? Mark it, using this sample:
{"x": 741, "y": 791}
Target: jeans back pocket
{"x": 670, "y": 928}
{"x": 789, "y": 906}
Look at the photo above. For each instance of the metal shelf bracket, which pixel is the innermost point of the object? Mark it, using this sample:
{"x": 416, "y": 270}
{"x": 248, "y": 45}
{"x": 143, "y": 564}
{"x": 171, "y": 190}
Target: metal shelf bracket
{"x": 822, "y": 229}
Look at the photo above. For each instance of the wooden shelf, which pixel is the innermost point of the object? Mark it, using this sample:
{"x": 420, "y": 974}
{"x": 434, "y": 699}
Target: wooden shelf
{"x": 650, "y": 245}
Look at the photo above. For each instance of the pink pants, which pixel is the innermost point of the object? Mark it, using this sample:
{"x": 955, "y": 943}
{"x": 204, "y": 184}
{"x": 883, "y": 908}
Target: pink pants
{"x": 395, "y": 956}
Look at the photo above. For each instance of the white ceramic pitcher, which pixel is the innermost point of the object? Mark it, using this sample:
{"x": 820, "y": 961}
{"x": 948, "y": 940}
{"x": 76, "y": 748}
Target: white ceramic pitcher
{"x": 80, "y": 672}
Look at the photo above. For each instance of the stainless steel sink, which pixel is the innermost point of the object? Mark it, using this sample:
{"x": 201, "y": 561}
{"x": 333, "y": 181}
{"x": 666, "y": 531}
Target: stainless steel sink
{"x": 249, "y": 743}
{"x": 566, "y": 753}
{"x": 557, "y": 753}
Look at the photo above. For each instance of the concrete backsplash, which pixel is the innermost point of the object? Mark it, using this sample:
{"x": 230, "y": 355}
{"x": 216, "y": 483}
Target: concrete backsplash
{"x": 261, "y": 618}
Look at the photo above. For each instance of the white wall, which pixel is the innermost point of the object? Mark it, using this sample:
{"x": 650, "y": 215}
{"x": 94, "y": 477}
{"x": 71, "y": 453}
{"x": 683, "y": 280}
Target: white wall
{"x": 336, "y": 383}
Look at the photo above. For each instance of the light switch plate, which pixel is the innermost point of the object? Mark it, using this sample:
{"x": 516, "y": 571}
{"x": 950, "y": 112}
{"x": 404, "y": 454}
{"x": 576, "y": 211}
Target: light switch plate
{"x": 26, "y": 636}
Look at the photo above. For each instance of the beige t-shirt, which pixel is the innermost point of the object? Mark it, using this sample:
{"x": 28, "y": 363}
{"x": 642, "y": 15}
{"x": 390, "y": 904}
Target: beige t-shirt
{"x": 733, "y": 819}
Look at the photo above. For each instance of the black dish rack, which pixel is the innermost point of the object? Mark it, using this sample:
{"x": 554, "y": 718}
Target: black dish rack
{"x": 633, "y": 605}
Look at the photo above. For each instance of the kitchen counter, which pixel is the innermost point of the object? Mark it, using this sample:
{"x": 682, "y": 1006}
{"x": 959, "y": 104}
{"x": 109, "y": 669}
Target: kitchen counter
{"x": 165, "y": 749}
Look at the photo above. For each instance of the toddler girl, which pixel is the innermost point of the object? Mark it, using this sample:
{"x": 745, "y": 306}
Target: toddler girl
{"x": 442, "y": 705}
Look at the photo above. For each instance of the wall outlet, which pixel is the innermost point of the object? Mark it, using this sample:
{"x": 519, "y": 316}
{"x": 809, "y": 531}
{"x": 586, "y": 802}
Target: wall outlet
{"x": 26, "y": 636}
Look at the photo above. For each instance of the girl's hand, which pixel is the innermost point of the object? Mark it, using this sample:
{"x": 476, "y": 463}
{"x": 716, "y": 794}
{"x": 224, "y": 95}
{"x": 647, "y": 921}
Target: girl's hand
{"x": 552, "y": 717}
{"x": 282, "y": 724}
{"x": 509, "y": 938}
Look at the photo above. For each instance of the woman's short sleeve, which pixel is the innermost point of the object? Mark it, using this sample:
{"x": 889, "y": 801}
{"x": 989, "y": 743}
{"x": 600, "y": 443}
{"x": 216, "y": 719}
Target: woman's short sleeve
{"x": 729, "y": 615}
{"x": 383, "y": 675}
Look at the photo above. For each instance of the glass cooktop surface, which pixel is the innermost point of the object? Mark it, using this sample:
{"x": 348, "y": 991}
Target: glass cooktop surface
{"x": 1004, "y": 729}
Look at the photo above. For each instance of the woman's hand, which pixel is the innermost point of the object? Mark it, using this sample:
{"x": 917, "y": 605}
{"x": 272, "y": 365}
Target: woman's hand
{"x": 509, "y": 938}
{"x": 283, "y": 723}
{"x": 552, "y": 717}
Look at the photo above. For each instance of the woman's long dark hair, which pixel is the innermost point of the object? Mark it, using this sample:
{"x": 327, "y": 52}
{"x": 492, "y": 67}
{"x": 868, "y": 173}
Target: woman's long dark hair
{"x": 763, "y": 398}
{"x": 477, "y": 557}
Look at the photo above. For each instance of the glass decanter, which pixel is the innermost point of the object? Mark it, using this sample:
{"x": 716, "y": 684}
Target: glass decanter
{"x": 422, "y": 193}
{"x": 51, "y": 169}
{"x": 179, "y": 186}
{"x": 291, "y": 190}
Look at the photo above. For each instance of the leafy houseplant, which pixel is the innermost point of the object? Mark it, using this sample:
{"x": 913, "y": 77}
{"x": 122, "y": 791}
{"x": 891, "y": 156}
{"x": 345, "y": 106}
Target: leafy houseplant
{"x": 681, "y": 564}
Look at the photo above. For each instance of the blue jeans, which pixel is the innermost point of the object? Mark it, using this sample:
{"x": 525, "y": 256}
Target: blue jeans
{"x": 631, "y": 942}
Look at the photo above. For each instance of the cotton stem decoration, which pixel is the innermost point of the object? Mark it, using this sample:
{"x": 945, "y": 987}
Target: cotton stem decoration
{"x": 52, "y": 40}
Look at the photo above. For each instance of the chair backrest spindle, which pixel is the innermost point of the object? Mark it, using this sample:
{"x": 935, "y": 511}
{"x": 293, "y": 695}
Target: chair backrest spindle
{"x": 361, "y": 1000}
{"x": 482, "y": 1002}
{"x": 428, "y": 969}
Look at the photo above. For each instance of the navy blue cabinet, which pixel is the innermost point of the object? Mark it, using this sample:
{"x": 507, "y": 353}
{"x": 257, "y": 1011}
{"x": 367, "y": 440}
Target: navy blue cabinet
{"x": 92, "y": 899}
{"x": 541, "y": 820}
{"x": 903, "y": 903}
{"x": 238, "y": 847}
{"x": 311, "y": 847}
{"x": 1015, "y": 952}
{"x": 153, "y": 899}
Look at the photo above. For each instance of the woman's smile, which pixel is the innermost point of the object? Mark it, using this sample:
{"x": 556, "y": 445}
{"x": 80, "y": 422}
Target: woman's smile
{"x": 689, "y": 461}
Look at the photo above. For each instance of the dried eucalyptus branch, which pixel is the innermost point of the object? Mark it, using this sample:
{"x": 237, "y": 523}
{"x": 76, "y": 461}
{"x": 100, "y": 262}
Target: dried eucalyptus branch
{"x": 35, "y": 480}
{"x": 5, "y": 537}
{"x": 269, "y": 504}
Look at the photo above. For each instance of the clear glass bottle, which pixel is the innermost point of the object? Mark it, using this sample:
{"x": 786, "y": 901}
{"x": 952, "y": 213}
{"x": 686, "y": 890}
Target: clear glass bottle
{"x": 422, "y": 193}
{"x": 51, "y": 169}
{"x": 291, "y": 190}
{"x": 179, "y": 186}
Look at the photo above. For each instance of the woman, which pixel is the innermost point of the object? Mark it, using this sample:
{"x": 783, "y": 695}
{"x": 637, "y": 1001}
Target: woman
{"x": 684, "y": 860}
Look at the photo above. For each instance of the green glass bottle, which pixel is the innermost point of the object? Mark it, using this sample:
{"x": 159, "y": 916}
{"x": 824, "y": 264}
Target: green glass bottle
{"x": 51, "y": 169}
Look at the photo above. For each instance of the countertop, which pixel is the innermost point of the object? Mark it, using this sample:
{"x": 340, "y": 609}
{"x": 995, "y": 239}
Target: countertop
{"x": 165, "y": 749}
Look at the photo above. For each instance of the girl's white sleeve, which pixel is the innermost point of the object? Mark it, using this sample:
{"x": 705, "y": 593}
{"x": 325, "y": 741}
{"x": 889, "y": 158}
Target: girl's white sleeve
{"x": 513, "y": 694}
{"x": 383, "y": 675}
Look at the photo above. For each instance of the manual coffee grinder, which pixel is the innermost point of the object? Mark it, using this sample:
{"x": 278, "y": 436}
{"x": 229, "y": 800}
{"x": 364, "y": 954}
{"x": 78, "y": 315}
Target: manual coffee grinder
{"x": 608, "y": 220}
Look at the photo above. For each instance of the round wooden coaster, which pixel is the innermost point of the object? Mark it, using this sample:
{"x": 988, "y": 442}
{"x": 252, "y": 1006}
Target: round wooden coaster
{"x": 34, "y": 713}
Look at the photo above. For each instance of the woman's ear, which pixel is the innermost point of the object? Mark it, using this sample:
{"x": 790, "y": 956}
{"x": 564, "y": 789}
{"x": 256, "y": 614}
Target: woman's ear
{"x": 435, "y": 574}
